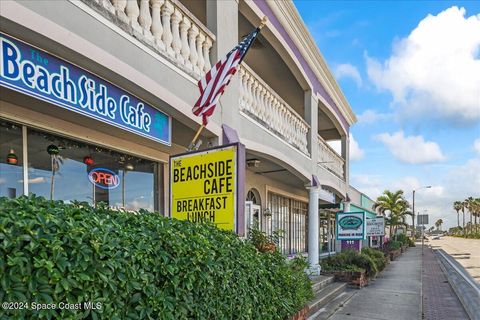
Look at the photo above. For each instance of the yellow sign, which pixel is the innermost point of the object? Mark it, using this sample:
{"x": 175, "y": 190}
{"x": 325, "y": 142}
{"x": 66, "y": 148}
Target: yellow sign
{"x": 203, "y": 186}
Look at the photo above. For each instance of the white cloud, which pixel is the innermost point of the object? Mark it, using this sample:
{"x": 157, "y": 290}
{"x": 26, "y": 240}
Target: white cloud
{"x": 356, "y": 153}
{"x": 411, "y": 149}
{"x": 408, "y": 184}
{"x": 457, "y": 183}
{"x": 476, "y": 145}
{"x": 371, "y": 185}
{"x": 347, "y": 70}
{"x": 435, "y": 70}
{"x": 370, "y": 116}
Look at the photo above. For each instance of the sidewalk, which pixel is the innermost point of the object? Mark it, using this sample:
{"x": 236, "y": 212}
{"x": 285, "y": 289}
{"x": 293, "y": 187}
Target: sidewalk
{"x": 395, "y": 294}
{"x": 439, "y": 300}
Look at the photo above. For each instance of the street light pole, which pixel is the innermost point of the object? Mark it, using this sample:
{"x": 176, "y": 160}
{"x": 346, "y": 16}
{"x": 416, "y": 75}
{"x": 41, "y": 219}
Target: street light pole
{"x": 413, "y": 209}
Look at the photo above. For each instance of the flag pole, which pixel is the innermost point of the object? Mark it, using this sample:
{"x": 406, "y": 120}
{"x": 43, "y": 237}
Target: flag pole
{"x": 192, "y": 144}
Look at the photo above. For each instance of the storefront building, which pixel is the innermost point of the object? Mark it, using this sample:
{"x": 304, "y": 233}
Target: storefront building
{"x": 360, "y": 202}
{"x": 95, "y": 96}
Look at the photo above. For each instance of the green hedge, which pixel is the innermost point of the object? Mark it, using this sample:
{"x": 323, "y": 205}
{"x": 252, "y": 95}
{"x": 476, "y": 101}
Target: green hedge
{"x": 393, "y": 245}
{"x": 350, "y": 260}
{"x": 138, "y": 266}
{"x": 377, "y": 256}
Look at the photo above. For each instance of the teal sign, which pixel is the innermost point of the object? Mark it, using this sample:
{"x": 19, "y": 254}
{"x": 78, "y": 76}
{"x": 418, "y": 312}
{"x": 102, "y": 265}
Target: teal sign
{"x": 34, "y": 72}
{"x": 350, "y": 222}
{"x": 350, "y": 225}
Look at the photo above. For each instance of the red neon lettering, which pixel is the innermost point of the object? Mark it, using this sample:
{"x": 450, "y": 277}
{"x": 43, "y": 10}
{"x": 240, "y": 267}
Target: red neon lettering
{"x": 106, "y": 179}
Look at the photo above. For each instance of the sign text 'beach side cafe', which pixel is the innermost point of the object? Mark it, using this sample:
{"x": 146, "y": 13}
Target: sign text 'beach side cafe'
{"x": 203, "y": 186}
{"x": 26, "y": 69}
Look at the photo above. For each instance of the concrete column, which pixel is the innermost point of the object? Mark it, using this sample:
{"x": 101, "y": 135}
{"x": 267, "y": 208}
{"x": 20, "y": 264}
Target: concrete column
{"x": 313, "y": 230}
{"x": 222, "y": 20}
{"x": 311, "y": 116}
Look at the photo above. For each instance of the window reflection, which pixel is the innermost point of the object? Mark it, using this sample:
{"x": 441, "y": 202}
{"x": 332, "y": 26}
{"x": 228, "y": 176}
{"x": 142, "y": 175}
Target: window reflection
{"x": 65, "y": 169}
{"x": 11, "y": 160}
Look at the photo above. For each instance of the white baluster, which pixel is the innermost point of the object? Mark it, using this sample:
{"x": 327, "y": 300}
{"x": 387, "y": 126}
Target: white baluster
{"x": 275, "y": 113}
{"x": 270, "y": 108}
{"x": 201, "y": 60}
{"x": 167, "y": 36}
{"x": 133, "y": 12}
{"x": 108, "y": 5}
{"x": 249, "y": 83}
{"x": 261, "y": 100}
{"x": 184, "y": 26}
{"x": 241, "y": 74}
{"x": 206, "y": 53}
{"x": 176, "y": 41}
{"x": 157, "y": 28}
{"x": 120, "y": 5}
{"x": 192, "y": 41}
{"x": 256, "y": 99}
{"x": 145, "y": 19}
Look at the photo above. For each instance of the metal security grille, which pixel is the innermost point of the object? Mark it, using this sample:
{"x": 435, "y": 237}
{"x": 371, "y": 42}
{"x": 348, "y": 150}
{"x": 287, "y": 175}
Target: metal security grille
{"x": 289, "y": 216}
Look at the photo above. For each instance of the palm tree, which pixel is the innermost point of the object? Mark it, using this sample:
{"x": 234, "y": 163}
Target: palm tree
{"x": 470, "y": 206}
{"x": 438, "y": 223}
{"x": 457, "y": 205}
{"x": 464, "y": 206}
{"x": 395, "y": 205}
{"x": 476, "y": 211}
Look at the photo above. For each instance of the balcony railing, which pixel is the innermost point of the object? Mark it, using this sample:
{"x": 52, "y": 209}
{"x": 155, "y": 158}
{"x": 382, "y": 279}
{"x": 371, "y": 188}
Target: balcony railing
{"x": 329, "y": 159}
{"x": 166, "y": 26}
{"x": 266, "y": 107}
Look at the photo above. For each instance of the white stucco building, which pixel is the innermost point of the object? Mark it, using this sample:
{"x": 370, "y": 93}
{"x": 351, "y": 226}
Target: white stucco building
{"x": 283, "y": 103}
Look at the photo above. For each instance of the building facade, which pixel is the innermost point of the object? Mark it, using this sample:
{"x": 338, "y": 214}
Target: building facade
{"x": 96, "y": 95}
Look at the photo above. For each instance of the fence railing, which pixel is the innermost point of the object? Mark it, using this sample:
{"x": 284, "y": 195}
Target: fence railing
{"x": 168, "y": 27}
{"x": 266, "y": 107}
{"x": 329, "y": 159}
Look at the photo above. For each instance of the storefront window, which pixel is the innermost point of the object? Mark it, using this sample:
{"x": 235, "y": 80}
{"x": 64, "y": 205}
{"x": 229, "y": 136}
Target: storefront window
{"x": 64, "y": 169}
{"x": 289, "y": 216}
{"x": 11, "y": 160}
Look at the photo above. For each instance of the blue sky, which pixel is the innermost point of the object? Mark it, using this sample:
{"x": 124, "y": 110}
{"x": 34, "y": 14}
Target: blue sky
{"x": 411, "y": 72}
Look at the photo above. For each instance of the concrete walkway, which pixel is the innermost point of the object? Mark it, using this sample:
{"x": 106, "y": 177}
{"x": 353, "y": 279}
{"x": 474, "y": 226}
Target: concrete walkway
{"x": 395, "y": 294}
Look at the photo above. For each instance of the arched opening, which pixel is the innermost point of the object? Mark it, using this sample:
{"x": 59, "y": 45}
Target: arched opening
{"x": 254, "y": 196}
{"x": 252, "y": 209}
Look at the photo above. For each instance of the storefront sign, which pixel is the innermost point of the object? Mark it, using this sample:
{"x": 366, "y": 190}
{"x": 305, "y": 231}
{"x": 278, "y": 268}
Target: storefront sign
{"x": 376, "y": 226}
{"x": 36, "y": 73}
{"x": 104, "y": 178}
{"x": 350, "y": 225}
{"x": 203, "y": 186}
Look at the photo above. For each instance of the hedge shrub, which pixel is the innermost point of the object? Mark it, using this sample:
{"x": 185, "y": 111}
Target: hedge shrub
{"x": 393, "y": 245}
{"x": 377, "y": 256}
{"x": 350, "y": 260}
{"x": 138, "y": 266}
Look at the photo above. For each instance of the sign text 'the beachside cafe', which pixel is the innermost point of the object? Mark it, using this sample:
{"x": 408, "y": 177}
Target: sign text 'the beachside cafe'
{"x": 34, "y": 72}
{"x": 203, "y": 186}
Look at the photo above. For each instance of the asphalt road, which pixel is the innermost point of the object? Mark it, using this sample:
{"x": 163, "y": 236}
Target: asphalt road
{"x": 465, "y": 251}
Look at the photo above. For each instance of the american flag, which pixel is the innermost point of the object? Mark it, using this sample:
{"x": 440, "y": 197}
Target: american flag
{"x": 214, "y": 82}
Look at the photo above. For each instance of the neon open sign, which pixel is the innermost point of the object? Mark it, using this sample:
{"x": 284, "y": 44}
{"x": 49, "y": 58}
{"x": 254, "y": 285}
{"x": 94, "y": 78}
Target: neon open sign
{"x": 104, "y": 178}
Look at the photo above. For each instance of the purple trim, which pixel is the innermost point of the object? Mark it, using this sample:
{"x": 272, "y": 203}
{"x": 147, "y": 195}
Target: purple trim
{"x": 317, "y": 86}
{"x": 241, "y": 179}
{"x": 229, "y": 135}
{"x": 315, "y": 181}
{"x": 351, "y": 244}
